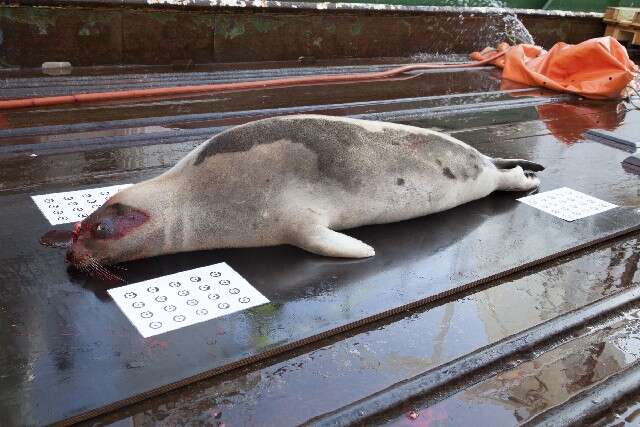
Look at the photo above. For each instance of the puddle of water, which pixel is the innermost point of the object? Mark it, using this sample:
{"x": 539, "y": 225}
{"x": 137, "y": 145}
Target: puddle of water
{"x": 348, "y": 368}
{"x": 517, "y": 395}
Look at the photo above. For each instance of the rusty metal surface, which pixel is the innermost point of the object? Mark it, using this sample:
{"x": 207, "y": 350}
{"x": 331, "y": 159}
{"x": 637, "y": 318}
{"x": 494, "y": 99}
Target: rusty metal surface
{"x": 33, "y": 35}
{"x": 63, "y": 332}
{"x": 105, "y": 34}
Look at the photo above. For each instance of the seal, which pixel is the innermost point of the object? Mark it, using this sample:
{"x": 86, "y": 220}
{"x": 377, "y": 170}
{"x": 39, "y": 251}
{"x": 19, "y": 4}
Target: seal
{"x": 295, "y": 180}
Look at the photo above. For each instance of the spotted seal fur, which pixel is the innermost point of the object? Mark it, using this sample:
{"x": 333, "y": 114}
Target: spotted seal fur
{"x": 295, "y": 180}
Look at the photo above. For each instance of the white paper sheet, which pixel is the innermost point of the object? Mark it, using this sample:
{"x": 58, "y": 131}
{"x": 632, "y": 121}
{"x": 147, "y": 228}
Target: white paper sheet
{"x": 567, "y": 204}
{"x": 178, "y": 300}
{"x": 74, "y": 206}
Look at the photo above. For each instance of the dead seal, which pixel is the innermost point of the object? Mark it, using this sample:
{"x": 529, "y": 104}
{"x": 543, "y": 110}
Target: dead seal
{"x": 293, "y": 180}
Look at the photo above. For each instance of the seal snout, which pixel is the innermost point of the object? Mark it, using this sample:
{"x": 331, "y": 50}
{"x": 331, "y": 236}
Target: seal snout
{"x": 75, "y": 257}
{"x": 56, "y": 239}
{"x": 80, "y": 259}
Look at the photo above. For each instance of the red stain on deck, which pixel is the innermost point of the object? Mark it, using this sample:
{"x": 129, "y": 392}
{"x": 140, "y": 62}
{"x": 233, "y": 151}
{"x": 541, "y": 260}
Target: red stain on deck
{"x": 412, "y": 415}
{"x": 428, "y": 417}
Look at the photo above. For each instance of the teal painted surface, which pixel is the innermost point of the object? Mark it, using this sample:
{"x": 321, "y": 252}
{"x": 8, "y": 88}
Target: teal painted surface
{"x": 572, "y": 5}
{"x": 579, "y": 5}
{"x": 522, "y": 4}
{"x": 589, "y": 5}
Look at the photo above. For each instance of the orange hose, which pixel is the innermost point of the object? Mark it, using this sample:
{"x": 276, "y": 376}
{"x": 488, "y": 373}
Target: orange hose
{"x": 260, "y": 84}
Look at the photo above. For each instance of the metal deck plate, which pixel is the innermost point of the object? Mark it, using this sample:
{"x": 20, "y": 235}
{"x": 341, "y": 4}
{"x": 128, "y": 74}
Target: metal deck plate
{"x": 61, "y": 332}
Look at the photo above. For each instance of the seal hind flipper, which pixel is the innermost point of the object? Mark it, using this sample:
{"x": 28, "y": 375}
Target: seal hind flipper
{"x": 516, "y": 179}
{"x": 512, "y": 163}
{"x": 321, "y": 240}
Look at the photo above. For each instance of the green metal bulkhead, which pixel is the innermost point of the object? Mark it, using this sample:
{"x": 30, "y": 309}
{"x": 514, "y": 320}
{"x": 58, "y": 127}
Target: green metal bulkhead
{"x": 571, "y": 5}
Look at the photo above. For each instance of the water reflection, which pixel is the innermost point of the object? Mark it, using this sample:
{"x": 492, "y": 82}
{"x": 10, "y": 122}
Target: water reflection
{"x": 616, "y": 268}
{"x": 556, "y": 376}
{"x": 568, "y": 121}
{"x": 516, "y": 395}
{"x": 577, "y": 119}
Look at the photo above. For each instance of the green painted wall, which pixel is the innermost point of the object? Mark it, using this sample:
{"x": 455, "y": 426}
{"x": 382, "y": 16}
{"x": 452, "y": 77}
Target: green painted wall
{"x": 589, "y": 5}
{"x": 574, "y": 5}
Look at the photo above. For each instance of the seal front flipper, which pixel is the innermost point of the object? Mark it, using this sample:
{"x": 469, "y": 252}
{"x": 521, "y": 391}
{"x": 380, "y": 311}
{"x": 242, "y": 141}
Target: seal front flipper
{"x": 320, "y": 240}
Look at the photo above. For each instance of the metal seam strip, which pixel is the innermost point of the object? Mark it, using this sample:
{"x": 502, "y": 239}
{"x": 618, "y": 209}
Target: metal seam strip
{"x": 153, "y": 138}
{"x": 198, "y": 117}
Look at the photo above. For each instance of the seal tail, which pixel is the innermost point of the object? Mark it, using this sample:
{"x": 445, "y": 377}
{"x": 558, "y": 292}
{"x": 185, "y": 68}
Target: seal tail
{"x": 512, "y": 163}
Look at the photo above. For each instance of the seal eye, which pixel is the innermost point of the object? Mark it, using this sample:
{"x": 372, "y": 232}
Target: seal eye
{"x": 102, "y": 230}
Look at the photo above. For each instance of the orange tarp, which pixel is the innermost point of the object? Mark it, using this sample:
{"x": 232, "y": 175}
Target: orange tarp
{"x": 597, "y": 68}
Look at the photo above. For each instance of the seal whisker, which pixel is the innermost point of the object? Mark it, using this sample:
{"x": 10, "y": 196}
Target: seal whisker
{"x": 101, "y": 271}
{"x": 108, "y": 276}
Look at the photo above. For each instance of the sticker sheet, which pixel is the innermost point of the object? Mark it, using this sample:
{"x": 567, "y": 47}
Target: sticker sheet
{"x": 74, "y": 206}
{"x": 178, "y": 300}
{"x": 567, "y": 204}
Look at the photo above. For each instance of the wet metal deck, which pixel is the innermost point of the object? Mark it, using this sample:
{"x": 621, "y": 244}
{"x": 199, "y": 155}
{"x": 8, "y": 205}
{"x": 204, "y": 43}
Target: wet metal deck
{"x": 60, "y": 330}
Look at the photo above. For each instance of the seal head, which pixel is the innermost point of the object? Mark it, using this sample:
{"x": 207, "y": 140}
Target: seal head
{"x": 105, "y": 236}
